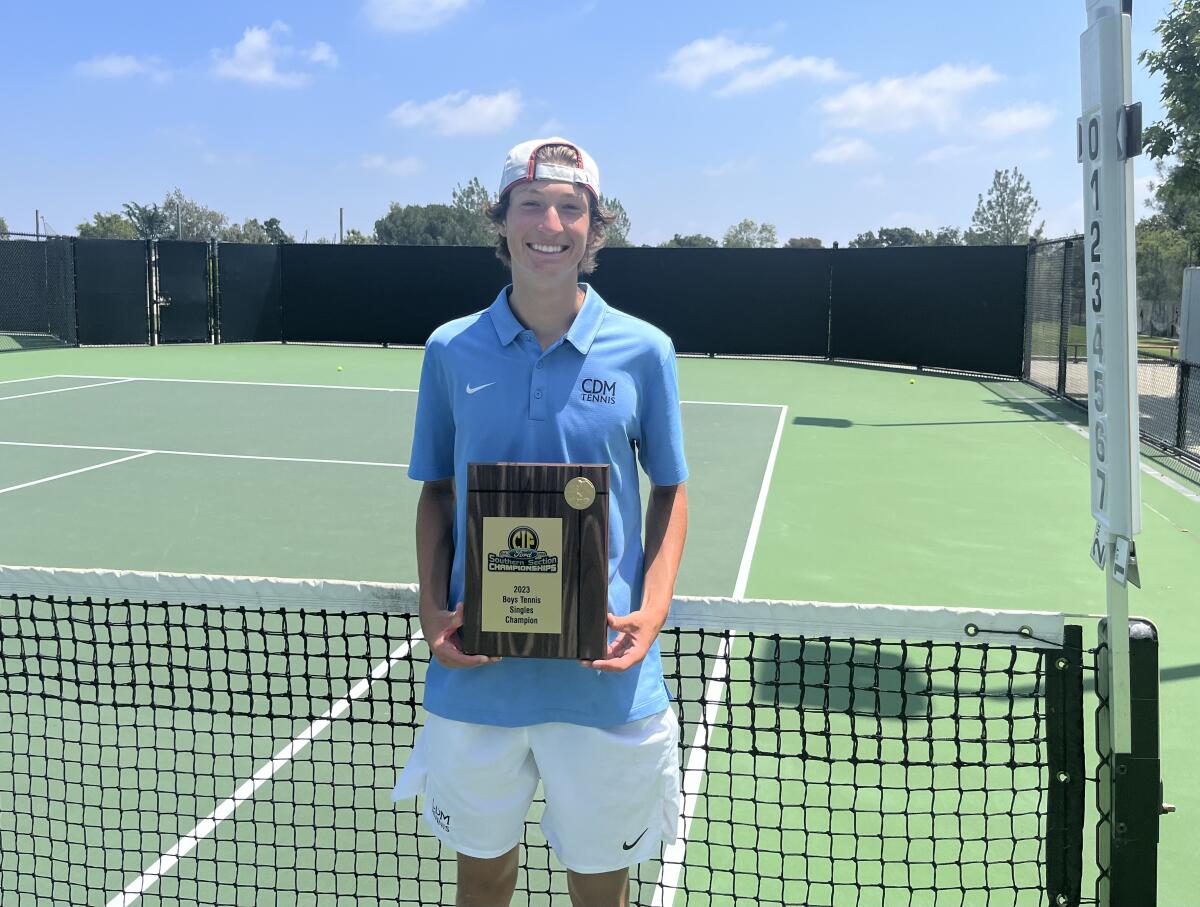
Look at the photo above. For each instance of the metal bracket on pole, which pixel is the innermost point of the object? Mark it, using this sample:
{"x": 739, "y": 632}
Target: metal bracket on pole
{"x": 1125, "y": 567}
{"x": 1129, "y": 131}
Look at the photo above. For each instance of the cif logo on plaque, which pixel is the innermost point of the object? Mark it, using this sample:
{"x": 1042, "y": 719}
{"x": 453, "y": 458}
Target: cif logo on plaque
{"x": 522, "y": 579}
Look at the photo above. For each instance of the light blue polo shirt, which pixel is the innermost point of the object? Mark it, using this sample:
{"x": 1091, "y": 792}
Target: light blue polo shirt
{"x": 605, "y": 393}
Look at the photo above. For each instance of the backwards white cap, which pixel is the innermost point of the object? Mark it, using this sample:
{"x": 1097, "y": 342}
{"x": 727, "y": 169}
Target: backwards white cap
{"x": 522, "y": 166}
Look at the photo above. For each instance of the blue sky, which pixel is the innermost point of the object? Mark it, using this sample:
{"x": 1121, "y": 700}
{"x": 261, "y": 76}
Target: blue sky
{"x": 825, "y": 119}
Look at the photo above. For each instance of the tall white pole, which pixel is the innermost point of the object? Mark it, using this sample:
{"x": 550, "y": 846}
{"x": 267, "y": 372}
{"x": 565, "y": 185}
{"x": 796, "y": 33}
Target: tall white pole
{"x": 1108, "y": 138}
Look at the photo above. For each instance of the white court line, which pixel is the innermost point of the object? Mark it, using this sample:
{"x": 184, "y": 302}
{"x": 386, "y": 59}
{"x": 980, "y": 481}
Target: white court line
{"x": 331, "y": 387}
{"x": 75, "y": 472}
{"x": 743, "y": 578}
{"x": 727, "y": 403}
{"x": 344, "y": 387}
{"x": 38, "y": 378}
{"x": 206, "y": 826}
{"x": 191, "y": 453}
{"x": 693, "y": 774}
{"x": 1083, "y": 433}
{"x": 63, "y": 390}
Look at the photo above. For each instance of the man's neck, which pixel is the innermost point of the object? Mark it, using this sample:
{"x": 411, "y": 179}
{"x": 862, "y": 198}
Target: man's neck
{"x": 547, "y": 310}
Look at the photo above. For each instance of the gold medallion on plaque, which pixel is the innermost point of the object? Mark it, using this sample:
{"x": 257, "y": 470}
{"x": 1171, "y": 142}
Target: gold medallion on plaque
{"x": 580, "y": 493}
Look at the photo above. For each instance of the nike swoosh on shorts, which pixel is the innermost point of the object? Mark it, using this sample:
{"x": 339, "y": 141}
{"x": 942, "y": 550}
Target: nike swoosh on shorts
{"x": 635, "y": 841}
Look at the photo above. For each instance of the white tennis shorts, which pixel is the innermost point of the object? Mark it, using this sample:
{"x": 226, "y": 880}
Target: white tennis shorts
{"x": 612, "y": 794}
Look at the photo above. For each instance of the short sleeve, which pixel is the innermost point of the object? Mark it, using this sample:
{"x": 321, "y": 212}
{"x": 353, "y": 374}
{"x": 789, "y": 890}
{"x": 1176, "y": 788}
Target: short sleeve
{"x": 661, "y": 447}
{"x": 433, "y": 431}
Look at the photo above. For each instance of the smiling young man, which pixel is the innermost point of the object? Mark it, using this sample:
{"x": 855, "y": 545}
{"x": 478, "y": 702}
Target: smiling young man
{"x": 550, "y": 373}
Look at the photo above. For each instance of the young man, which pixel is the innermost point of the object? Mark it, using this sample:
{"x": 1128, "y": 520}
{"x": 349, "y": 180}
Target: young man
{"x": 550, "y": 373}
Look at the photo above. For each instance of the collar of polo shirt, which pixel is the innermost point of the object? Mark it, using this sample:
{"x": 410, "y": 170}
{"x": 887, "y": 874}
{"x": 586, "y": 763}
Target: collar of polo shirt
{"x": 580, "y": 334}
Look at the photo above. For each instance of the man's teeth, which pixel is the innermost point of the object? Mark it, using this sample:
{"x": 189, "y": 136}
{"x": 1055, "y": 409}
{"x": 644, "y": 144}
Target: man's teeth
{"x": 538, "y": 247}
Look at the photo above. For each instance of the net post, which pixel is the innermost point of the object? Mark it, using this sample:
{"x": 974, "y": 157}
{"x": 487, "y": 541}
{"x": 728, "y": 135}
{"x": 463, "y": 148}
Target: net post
{"x": 1129, "y": 784}
{"x": 1065, "y": 767}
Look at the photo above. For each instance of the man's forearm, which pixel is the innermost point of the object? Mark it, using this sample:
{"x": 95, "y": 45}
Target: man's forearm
{"x": 435, "y": 542}
{"x": 666, "y": 529}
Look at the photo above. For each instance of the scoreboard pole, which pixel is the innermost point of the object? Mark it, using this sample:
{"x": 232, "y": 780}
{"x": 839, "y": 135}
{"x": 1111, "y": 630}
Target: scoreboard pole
{"x": 1108, "y": 138}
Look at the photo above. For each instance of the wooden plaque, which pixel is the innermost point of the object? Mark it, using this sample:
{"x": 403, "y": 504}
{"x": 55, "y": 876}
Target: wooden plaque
{"x": 537, "y": 560}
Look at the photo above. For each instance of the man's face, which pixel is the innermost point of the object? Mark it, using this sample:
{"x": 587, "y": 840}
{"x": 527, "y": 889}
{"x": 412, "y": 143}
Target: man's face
{"x": 547, "y": 228}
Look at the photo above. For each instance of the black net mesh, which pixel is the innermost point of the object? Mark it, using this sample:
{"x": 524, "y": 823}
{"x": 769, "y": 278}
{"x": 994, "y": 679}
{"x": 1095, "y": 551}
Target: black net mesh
{"x": 37, "y": 293}
{"x": 1044, "y": 324}
{"x": 196, "y": 755}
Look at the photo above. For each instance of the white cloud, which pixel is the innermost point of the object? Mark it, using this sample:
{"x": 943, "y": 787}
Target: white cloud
{"x": 694, "y": 64}
{"x": 457, "y": 114}
{"x": 322, "y": 53}
{"x": 845, "y": 151}
{"x": 756, "y": 79}
{"x": 401, "y": 166}
{"x": 411, "y": 15}
{"x": 257, "y": 58}
{"x": 945, "y": 153}
{"x": 904, "y": 102}
{"x": 123, "y": 66}
{"x": 730, "y": 168}
{"x": 1017, "y": 118}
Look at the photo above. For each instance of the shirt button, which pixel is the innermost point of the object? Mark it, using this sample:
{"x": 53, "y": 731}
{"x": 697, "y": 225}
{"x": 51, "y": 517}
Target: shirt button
{"x": 538, "y": 394}
{"x": 539, "y": 365}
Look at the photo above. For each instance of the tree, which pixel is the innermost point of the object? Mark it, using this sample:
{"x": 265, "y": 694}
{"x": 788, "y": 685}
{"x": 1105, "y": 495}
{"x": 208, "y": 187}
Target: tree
{"x": 149, "y": 221}
{"x": 107, "y": 226}
{"x": 472, "y": 202}
{"x": 750, "y": 235}
{"x": 249, "y": 232}
{"x": 425, "y": 225}
{"x": 690, "y": 241}
{"x": 866, "y": 240}
{"x": 1162, "y": 254}
{"x": 275, "y": 232}
{"x": 1177, "y": 135}
{"x": 891, "y": 237}
{"x": 616, "y": 235}
{"x": 947, "y": 236}
{"x": 804, "y": 242}
{"x": 1177, "y": 209}
{"x": 1005, "y": 216}
{"x": 197, "y": 221}
{"x": 357, "y": 238}
{"x": 3, "y": 228}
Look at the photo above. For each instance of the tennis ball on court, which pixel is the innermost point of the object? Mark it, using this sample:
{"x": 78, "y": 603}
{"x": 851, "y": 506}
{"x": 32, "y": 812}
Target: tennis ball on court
{"x": 912, "y": 380}
{"x": 339, "y": 368}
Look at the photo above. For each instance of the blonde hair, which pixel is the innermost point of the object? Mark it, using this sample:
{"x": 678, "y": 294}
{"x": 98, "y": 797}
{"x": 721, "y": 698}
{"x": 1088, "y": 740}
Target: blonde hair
{"x": 599, "y": 217}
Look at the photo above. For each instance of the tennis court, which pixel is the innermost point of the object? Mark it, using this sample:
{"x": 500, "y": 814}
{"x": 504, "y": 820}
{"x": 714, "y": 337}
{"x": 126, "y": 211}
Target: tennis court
{"x": 810, "y": 482}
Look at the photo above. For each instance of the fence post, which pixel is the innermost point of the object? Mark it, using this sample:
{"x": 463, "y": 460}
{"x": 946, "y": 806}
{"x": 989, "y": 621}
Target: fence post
{"x": 1064, "y": 317}
{"x": 1181, "y": 400}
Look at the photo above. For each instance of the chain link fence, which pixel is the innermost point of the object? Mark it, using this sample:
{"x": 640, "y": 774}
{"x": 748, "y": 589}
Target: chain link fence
{"x": 37, "y": 292}
{"x": 1056, "y": 358}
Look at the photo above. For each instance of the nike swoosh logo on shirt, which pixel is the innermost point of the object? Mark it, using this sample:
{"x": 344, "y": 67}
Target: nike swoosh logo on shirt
{"x": 472, "y": 390}
{"x": 635, "y": 841}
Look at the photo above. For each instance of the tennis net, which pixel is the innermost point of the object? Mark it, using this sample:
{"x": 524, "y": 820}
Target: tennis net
{"x": 199, "y": 740}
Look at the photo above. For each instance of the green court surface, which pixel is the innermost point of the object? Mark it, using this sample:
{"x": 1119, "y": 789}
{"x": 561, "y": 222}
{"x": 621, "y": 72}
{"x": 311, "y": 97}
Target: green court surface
{"x": 809, "y": 481}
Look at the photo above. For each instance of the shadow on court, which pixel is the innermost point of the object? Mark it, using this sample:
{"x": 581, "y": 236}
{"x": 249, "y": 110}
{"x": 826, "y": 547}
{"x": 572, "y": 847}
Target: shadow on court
{"x": 840, "y": 678}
